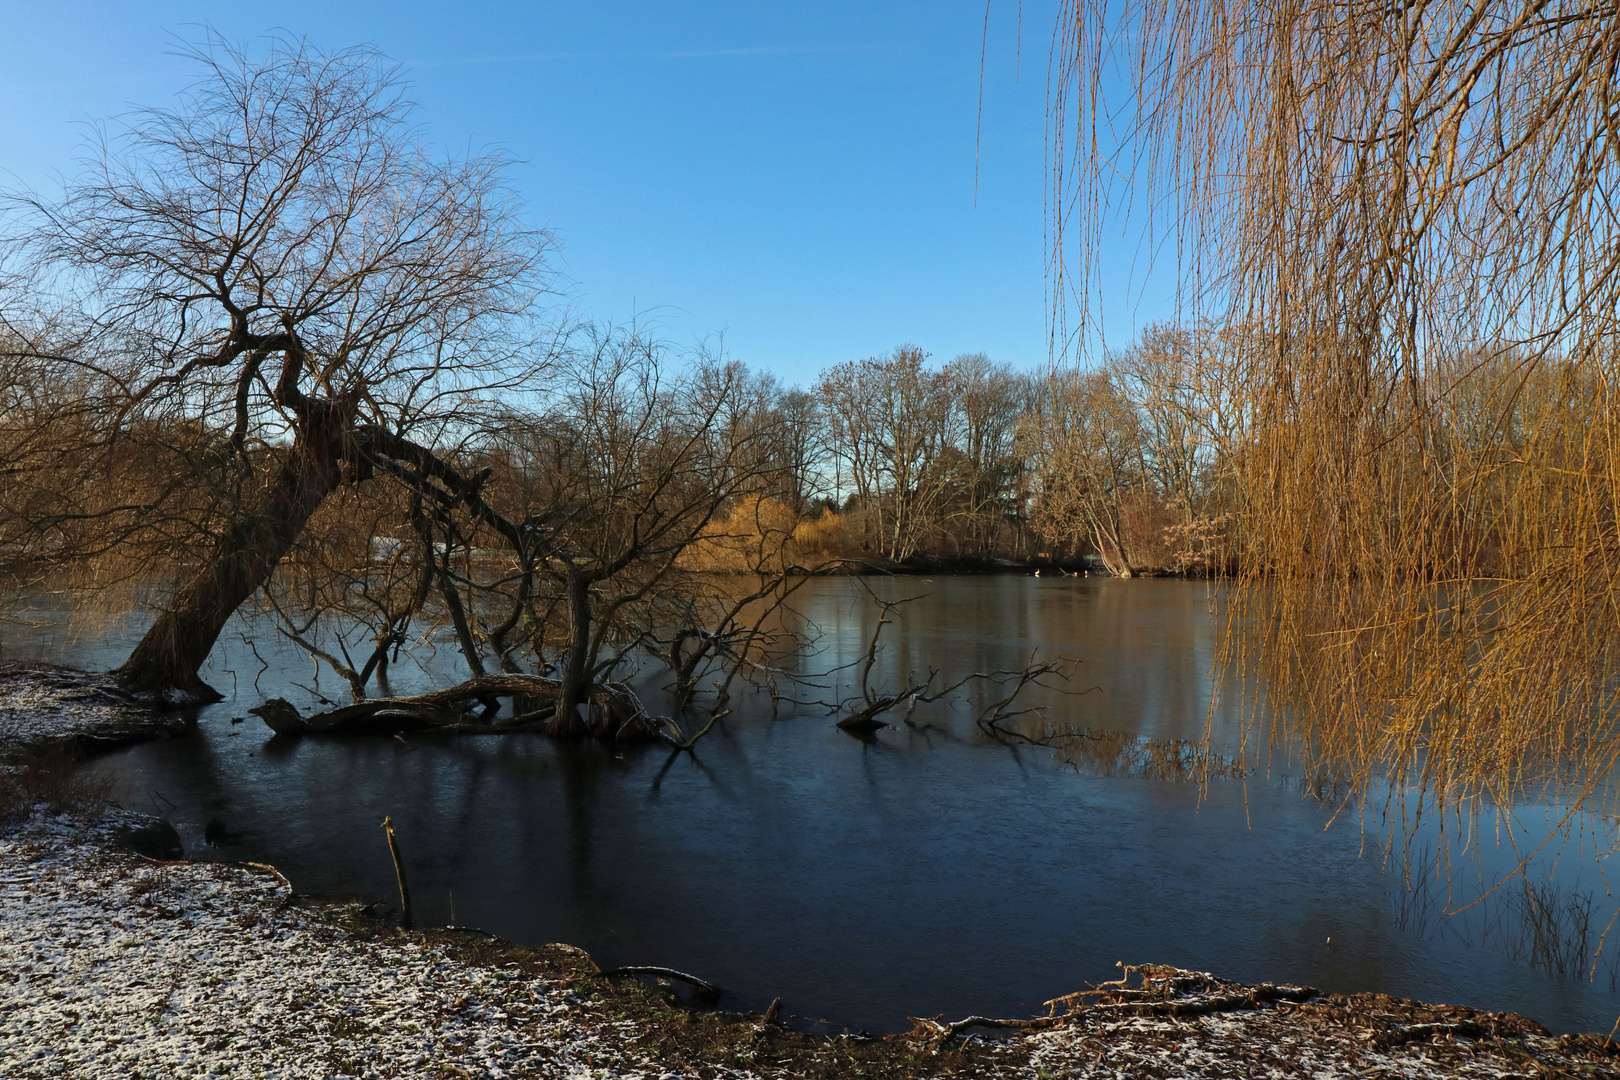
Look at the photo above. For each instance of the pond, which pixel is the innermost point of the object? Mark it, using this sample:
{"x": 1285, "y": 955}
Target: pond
{"x": 930, "y": 869}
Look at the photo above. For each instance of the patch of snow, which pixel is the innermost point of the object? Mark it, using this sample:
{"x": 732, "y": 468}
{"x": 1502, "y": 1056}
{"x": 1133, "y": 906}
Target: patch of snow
{"x": 116, "y": 966}
{"x": 46, "y": 708}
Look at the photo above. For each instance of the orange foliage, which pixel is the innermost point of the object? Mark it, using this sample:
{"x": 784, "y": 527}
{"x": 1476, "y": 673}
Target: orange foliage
{"x": 750, "y": 538}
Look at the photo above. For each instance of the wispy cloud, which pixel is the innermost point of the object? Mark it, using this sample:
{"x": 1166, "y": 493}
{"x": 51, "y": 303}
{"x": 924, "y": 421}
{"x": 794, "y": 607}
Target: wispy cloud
{"x": 768, "y": 50}
{"x": 679, "y": 54}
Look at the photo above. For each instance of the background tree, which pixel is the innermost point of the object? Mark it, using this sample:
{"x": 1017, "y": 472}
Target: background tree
{"x": 636, "y": 459}
{"x": 890, "y": 421}
{"x": 1086, "y": 442}
{"x": 987, "y": 402}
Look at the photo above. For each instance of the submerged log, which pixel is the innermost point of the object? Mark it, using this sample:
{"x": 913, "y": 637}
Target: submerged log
{"x": 866, "y": 719}
{"x": 612, "y": 711}
{"x": 445, "y": 710}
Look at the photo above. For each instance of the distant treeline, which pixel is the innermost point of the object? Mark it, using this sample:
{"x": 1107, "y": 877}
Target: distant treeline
{"x": 890, "y": 458}
{"x": 973, "y": 460}
{"x": 1123, "y": 460}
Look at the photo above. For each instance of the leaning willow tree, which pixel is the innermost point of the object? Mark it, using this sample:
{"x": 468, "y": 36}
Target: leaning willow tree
{"x": 276, "y": 291}
{"x": 1402, "y": 217}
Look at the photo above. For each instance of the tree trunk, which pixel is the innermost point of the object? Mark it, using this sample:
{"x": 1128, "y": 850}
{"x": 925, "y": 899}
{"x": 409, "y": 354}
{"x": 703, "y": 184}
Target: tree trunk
{"x": 576, "y": 670}
{"x": 166, "y": 661}
{"x": 1119, "y": 566}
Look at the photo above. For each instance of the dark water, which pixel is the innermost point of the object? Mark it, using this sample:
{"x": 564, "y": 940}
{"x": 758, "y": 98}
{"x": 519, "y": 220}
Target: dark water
{"x": 925, "y": 871}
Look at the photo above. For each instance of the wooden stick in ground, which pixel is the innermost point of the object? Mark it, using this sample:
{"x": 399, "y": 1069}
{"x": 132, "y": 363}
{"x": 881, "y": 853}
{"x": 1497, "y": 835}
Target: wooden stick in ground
{"x": 399, "y": 871}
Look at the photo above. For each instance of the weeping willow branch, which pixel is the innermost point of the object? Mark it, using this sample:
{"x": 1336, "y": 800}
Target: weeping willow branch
{"x": 1400, "y": 224}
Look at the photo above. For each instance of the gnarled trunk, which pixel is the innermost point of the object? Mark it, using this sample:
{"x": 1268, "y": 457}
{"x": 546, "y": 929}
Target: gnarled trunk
{"x": 576, "y": 668}
{"x": 166, "y": 661}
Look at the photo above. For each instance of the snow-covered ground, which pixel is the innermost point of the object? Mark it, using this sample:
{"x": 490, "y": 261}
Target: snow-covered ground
{"x": 113, "y": 965}
{"x": 116, "y": 966}
{"x": 45, "y": 708}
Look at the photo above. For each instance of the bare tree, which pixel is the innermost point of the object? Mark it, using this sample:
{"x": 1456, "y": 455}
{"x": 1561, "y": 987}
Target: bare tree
{"x": 278, "y": 261}
{"x": 988, "y": 402}
{"x": 1086, "y": 440}
{"x": 637, "y": 459}
{"x": 890, "y": 423}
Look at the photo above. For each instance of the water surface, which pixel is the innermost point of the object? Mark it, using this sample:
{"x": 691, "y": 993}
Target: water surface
{"x": 928, "y": 870}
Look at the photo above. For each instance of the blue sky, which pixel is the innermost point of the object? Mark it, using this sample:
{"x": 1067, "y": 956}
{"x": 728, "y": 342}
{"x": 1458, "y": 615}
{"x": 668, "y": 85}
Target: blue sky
{"x": 798, "y": 178}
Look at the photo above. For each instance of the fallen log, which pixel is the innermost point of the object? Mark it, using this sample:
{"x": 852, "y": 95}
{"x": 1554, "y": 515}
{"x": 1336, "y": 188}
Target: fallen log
{"x": 444, "y": 710}
{"x": 865, "y": 719}
{"x": 614, "y": 713}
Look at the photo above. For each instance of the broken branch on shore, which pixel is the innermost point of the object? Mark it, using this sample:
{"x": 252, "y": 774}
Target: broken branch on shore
{"x": 405, "y": 919}
{"x": 1165, "y": 991}
{"x": 706, "y": 990}
{"x": 933, "y": 1033}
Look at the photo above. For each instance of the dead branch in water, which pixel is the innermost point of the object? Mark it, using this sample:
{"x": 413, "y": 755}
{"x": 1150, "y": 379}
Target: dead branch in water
{"x": 872, "y": 704}
{"x": 678, "y": 741}
{"x": 449, "y": 711}
{"x": 865, "y": 719}
{"x": 1030, "y": 675}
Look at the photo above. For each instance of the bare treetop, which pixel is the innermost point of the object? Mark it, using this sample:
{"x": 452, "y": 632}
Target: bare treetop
{"x": 285, "y": 206}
